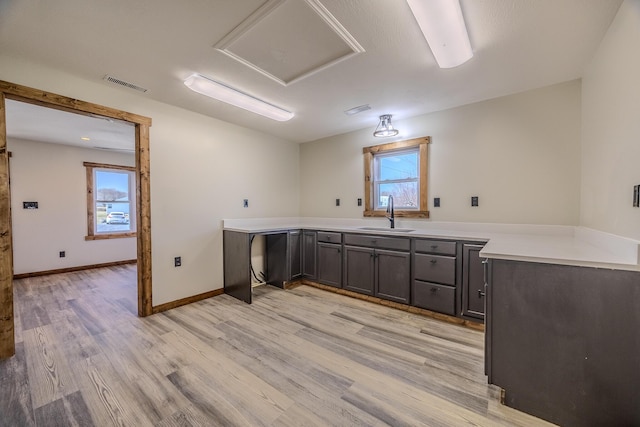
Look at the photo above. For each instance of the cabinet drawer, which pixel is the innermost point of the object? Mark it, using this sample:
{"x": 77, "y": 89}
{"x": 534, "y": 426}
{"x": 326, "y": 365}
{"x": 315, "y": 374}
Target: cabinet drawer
{"x": 434, "y": 297}
{"x": 436, "y": 247}
{"x": 329, "y": 237}
{"x": 397, "y": 243}
{"x": 435, "y": 268}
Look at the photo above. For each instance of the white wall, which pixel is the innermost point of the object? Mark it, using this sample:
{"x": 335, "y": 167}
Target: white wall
{"x": 53, "y": 176}
{"x": 520, "y": 154}
{"x": 611, "y": 128}
{"x": 201, "y": 169}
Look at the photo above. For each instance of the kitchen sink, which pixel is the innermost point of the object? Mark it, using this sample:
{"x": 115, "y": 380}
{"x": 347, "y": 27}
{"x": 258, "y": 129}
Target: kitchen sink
{"x": 387, "y": 229}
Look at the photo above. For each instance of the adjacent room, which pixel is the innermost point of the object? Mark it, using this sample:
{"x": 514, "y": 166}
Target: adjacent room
{"x": 320, "y": 212}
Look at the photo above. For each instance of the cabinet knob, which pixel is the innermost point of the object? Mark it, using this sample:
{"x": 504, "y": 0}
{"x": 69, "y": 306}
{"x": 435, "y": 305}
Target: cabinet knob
{"x": 434, "y": 289}
{"x": 480, "y": 293}
{"x": 433, "y": 261}
{"x": 434, "y": 246}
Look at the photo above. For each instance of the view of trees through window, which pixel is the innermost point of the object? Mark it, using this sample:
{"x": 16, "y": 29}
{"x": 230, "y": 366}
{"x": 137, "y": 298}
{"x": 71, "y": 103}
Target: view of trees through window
{"x": 396, "y": 174}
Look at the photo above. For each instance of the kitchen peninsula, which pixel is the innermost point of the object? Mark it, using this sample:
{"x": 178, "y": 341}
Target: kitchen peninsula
{"x": 561, "y": 309}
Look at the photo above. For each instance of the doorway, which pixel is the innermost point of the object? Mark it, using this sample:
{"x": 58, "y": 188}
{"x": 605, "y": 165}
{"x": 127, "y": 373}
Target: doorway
{"x": 143, "y": 218}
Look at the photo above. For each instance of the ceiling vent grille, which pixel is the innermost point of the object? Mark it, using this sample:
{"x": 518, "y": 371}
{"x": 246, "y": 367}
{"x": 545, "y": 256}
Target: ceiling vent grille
{"x": 121, "y": 82}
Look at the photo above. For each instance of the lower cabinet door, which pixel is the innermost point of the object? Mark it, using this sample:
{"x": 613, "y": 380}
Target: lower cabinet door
{"x": 359, "y": 269}
{"x": 393, "y": 272}
{"x": 473, "y": 292}
{"x": 434, "y": 297}
{"x": 329, "y": 268}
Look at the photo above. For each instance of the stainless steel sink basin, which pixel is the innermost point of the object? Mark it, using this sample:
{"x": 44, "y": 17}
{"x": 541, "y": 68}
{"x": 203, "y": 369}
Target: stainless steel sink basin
{"x": 388, "y": 230}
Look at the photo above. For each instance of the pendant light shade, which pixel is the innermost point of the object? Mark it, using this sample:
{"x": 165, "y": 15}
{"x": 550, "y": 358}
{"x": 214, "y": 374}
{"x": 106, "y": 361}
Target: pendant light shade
{"x": 385, "y": 128}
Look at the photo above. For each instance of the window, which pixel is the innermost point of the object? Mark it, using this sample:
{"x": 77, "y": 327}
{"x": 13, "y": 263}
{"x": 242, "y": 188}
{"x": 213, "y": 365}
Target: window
{"x": 397, "y": 169}
{"x": 110, "y": 201}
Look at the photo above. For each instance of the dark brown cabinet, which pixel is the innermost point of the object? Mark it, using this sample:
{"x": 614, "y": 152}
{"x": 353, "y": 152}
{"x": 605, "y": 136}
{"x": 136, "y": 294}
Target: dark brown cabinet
{"x": 359, "y": 269}
{"x": 563, "y": 341}
{"x": 434, "y": 275}
{"x": 295, "y": 254}
{"x": 393, "y": 275}
{"x": 309, "y": 254}
{"x": 473, "y": 283}
{"x": 329, "y": 256}
{"x": 372, "y": 267}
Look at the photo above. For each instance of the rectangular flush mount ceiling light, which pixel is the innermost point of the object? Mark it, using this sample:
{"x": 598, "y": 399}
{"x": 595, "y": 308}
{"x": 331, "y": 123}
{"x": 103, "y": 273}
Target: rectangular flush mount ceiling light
{"x": 224, "y": 93}
{"x": 443, "y": 26}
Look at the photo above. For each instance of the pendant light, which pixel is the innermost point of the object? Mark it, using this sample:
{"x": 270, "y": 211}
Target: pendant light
{"x": 385, "y": 128}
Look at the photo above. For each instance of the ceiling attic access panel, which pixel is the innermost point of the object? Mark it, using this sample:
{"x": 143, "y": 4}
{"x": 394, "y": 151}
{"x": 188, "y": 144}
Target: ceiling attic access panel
{"x": 289, "y": 40}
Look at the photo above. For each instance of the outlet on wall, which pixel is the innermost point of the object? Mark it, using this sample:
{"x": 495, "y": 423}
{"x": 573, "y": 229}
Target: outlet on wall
{"x": 245, "y": 203}
{"x": 63, "y": 254}
{"x": 474, "y": 201}
{"x": 177, "y": 261}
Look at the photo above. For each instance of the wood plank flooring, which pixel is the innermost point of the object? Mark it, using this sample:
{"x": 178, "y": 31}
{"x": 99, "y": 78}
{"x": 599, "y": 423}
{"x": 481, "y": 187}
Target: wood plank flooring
{"x": 301, "y": 357}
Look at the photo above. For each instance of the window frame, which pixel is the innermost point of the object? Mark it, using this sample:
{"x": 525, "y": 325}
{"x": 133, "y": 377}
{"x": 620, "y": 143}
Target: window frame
{"x": 91, "y": 202}
{"x": 369, "y": 176}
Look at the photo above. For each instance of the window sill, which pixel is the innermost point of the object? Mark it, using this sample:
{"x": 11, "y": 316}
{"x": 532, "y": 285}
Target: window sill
{"x": 397, "y": 213}
{"x": 111, "y": 236}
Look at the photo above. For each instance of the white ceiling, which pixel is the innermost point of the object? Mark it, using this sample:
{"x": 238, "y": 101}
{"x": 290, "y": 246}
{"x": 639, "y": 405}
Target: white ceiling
{"x": 156, "y": 44}
{"x": 36, "y": 123}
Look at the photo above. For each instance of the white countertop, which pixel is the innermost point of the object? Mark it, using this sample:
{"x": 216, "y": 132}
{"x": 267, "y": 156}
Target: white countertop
{"x": 551, "y": 244}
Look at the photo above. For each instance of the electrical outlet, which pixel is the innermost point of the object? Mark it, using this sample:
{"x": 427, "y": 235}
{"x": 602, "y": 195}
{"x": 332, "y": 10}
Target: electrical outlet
{"x": 359, "y": 202}
{"x": 245, "y": 203}
{"x": 337, "y": 202}
{"x": 436, "y": 202}
{"x": 177, "y": 261}
{"x": 63, "y": 254}
{"x": 636, "y": 196}
{"x": 29, "y": 205}
{"x": 474, "y": 201}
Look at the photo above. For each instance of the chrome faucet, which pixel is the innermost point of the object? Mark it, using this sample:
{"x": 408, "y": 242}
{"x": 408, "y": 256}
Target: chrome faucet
{"x": 390, "y": 214}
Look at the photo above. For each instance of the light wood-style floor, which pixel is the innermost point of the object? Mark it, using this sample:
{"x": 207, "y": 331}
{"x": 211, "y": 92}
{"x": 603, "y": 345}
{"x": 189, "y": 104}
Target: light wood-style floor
{"x": 302, "y": 357}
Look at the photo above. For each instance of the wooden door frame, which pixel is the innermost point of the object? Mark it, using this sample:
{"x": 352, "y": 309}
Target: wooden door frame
{"x": 143, "y": 199}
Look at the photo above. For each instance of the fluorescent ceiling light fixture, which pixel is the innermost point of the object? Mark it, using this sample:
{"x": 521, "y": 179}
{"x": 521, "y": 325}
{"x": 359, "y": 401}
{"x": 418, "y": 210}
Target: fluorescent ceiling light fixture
{"x": 224, "y": 93}
{"x": 442, "y": 24}
{"x": 385, "y": 128}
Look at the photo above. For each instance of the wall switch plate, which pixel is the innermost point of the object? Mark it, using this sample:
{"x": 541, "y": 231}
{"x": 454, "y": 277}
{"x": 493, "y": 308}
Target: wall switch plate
{"x": 337, "y": 202}
{"x": 63, "y": 254}
{"x": 474, "y": 201}
{"x": 177, "y": 261}
{"x": 359, "y": 202}
{"x": 636, "y": 196}
{"x": 245, "y": 203}
{"x": 29, "y": 205}
{"x": 436, "y": 202}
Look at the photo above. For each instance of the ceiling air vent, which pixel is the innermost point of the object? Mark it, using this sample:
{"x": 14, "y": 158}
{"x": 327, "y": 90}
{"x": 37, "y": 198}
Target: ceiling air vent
{"x": 120, "y": 82}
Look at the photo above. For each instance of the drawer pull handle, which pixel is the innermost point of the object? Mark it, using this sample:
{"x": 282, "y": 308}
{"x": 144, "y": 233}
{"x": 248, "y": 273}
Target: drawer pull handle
{"x": 434, "y": 289}
{"x": 433, "y": 261}
{"x": 480, "y": 293}
{"x": 434, "y": 246}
